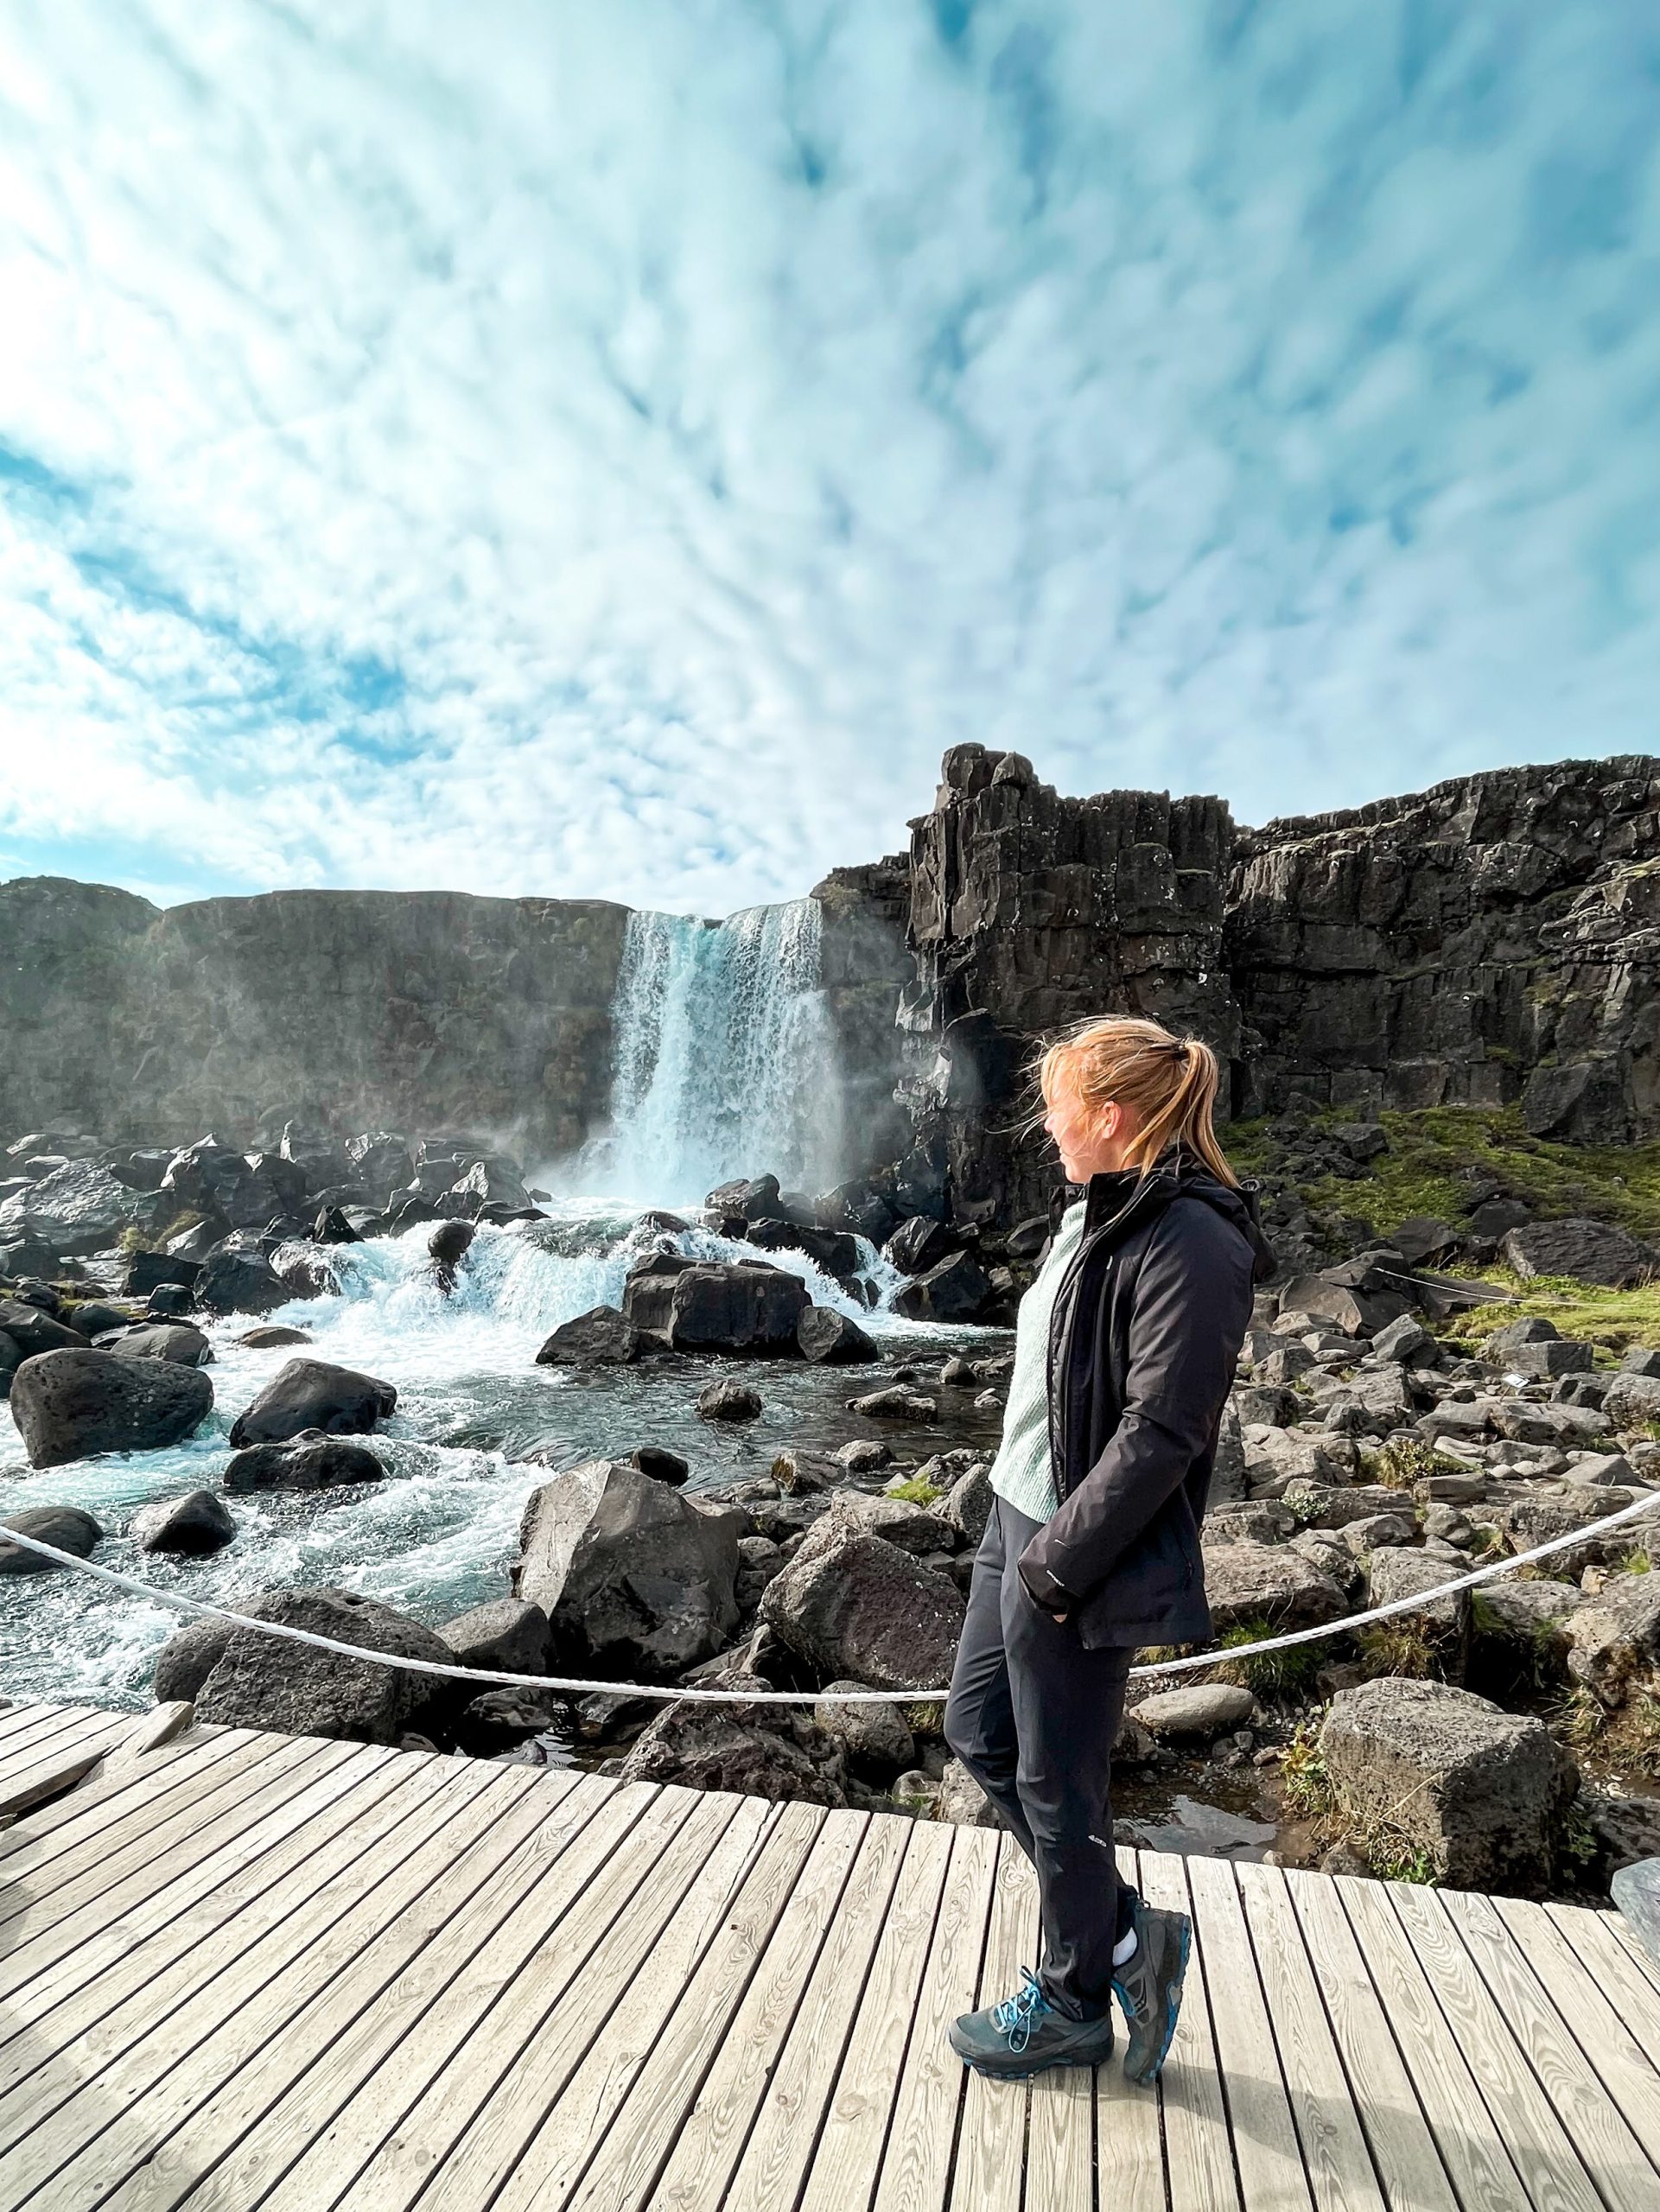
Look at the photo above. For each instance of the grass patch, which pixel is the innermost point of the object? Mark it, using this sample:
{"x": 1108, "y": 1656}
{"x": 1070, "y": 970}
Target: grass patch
{"x": 1629, "y": 1738}
{"x": 1396, "y": 1858}
{"x": 1285, "y": 1673}
{"x": 924, "y": 1719}
{"x": 1636, "y": 1562}
{"x": 1613, "y": 1320}
{"x": 1398, "y": 1647}
{"x": 1405, "y": 1460}
{"x": 916, "y": 1493}
{"x": 1305, "y": 1778}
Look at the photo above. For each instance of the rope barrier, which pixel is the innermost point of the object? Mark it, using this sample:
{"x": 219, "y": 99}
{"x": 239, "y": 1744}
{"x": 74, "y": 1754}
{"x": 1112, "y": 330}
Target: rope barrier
{"x": 680, "y": 1693}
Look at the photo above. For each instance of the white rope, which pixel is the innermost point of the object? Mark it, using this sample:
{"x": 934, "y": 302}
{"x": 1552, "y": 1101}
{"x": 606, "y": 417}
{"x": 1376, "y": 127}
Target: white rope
{"x": 1415, "y": 1603}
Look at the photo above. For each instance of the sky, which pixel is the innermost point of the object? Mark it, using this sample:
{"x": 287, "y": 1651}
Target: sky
{"x": 539, "y": 447}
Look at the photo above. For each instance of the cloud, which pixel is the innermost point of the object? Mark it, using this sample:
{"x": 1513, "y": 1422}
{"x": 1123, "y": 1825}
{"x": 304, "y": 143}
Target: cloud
{"x": 610, "y": 452}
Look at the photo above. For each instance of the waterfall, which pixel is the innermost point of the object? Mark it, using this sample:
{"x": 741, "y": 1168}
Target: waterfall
{"x": 724, "y": 1057}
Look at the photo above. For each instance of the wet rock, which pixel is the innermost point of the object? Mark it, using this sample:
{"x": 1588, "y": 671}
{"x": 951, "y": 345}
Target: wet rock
{"x": 1205, "y": 1710}
{"x": 271, "y": 1337}
{"x": 174, "y": 1340}
{"x": 169, "y": 1301}
{"x": 832, "y": 1339}
{"x": 727, "y": 1401}
{"x": 67, "y": 1527}
{"x": 507, "y": 1636}
{"x": 1246, "y": 1582}
{"x": 752, "y": 1198}
{"x": 32, "y": 1329}
{"x": 241, "y": 1283}
{"x": 69, "y": 1404}
{"x": 864, "y": 1455}
{"x": 632, "y": 1574}
{"x": 240, "y": 1679}
{"x": 876, "y": 1737}
{"x": 189, "y": 1526}
{"x": 1590, "y": 1251}
{"x": 330, "y": 1226}
{"x": 920, "y": 1243}
{"x": 713, "y": 1306}
{"x": 311, "y": 1460}
{"x": 896, "y": 1403}
{"x": 1626, "y": 1828}
{"x": 831, "y": 1249}
{"x": 1614, "y": 1640}
{"x": 957, "y": 1289}
{"x": 450, "y": 1241}
{"x": 603, "y": 1337}
{"x": 500, "y": 1720}
{"x": 744, "y": 1748}
{"x": 79, "y": 1207}
{"x": 314, "y": 1394}
{"x": 660, "y": 1463}
{"x": 858, "y": 1608}
{"x": 1481, "y": 1791}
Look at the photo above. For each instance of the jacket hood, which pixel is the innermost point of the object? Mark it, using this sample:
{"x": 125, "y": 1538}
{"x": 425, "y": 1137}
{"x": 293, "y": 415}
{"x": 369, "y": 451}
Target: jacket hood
{"x": 1179, "y": 1174}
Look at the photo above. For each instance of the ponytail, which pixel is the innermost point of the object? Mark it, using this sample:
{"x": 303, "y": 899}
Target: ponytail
{"x": 1168, "y": 1083}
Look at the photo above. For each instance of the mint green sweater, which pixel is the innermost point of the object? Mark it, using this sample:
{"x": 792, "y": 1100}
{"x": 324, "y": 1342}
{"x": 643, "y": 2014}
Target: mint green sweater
{"x": 1021, "y": 1471}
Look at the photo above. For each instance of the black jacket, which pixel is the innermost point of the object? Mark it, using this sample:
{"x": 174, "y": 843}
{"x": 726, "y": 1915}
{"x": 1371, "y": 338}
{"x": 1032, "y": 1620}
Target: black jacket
{"x": 1145, "y": 1336}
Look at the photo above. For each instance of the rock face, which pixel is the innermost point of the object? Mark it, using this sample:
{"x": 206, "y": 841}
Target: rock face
{"x": 1481, "y": 1791}
{"x": 859, "y": 1608}
{"x": 243, "y": 1680}
{"x": 313, "y": 1393}
{"x": 631, "y": 1574}
{"x": 69, "y": 1404}
{"x": 79, "y": 1207}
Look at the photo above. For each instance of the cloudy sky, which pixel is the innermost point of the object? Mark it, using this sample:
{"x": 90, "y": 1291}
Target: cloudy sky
{"x": 535, "y": 446}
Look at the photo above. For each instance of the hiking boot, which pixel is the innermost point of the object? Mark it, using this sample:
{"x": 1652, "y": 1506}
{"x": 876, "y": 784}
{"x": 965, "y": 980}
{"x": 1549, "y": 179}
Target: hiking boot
{"x": 1025, "y": 2034}
{"x": 1148, "y": 1986}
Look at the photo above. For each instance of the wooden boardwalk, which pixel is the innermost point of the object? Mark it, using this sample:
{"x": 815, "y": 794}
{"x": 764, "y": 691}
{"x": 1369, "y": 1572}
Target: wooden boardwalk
{"x": 243, "y": 1970}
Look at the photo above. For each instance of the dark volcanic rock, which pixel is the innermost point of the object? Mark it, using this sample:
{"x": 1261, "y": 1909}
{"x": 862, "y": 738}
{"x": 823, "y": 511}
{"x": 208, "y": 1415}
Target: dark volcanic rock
{"x": 79, "y": 1207}
{"x": 242, "y": 1283}
{"x": 507, "y": 1636}
{"x": 32, "y": 1329}
{"x": 753, "y": 1198}
{"x": 65, "y": 1526}
{"x": 69, "y": 1404}
{"x": 955, "y": 1290}
{"x": 750, "y": 1748}
{"x": 603, "y": 1337}
{"x": 268, "y": 1339}
{"x": 919, "y": 1244}
{"x": 1590, "y": 1251}
{"x": 712, "y": 1306}
{"x": 146, "y": 1270}
{"x": 190, "y": 1525}
{"x": 833, "y": 1250}
{"x": 174, "y": 1340}
{"x": 308, "y": 1461}
{"x": 832, "y": 1339}
{"x": 857, "y": 1608}
{"x": 727, "y": 1401}
{"x": 313, "y": 1393}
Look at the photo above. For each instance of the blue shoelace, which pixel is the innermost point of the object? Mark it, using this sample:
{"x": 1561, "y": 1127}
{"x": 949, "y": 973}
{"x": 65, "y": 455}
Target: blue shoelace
{"x": 1016, "y": 2017}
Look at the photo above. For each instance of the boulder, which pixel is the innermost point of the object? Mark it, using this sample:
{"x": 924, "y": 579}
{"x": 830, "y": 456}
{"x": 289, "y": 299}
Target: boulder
{"x": 603, "y": 1337}
{"x": 1444, "y": 1623}
{"x": 954, "y": 1290}
{"x": 966, "y": 1506}
{"x": 67, "y": 1527}
{"x": 659, "y": 1462}
{"x": 875, "y": 1737}
{"x": 1482, "y": 1792}
{"x": 498, "y": 1720}
{"x": 148, "y": 1271}
{"x": 833, "y": 1250}
{"x": 1324, "y": 1505}
{"x": 69, "y": 1404}
{"x": 857, "y": 1608}
{"x": 727, "y": 1401}
{"x": 1627, "y": 1828}
{"x": 1629, "y": 1403}
{"x": 240, "y": 1679}
{"x": 488, "y": 1188}
{"x": 241, "y": 1281}
{"x": 273, "y": 1336}
{"x": 1356, "y": 1314}
{"x": 865, "y": 1455}
{"x": 33, "y": 1329}
{"x": 508, "y": 1637}
{"x": 749, "y": 1749}
{"x": 753, "y": 1198}
{"x": 76, "y": 1208}
{"x": 1405, "y": 1338}
{"x": 1246, "y": 1582}
{"x": 190, "y": 1525}
{"x": 450, "y": 1241}
{"x": 920, "y": 1243}
{"x": 1641, "y": 1360}
{"x": 1205, "y": 1710}
{"x": 913, "y": 1528}
{"x": 299, "y": 1264}
{"x": 895, "y": 1403}
{"x": 961, "y": 1799}
{"x": 174, "y": 1340}
{"x": 380, "y": 1163}
{"x": 313, "y": 1393}
{"x": 713, "y": 1306}
{"x": 832, "y": 1339}
{"x": 308, "y": 1461}
{"x": 1588, "y": 1251}
{"x": 632, "y": 1575}
{"x": 1614, "y": 1641}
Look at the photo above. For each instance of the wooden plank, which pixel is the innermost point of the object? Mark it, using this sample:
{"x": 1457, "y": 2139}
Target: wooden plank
{"x": 991, "y": 2141}
{"x": 89, "y": 1888}
{"x": 722, "y": 1920}
{"x": 917, "y": 2163}
{"x": 1196, "y": 2140}
{"x": 619, "y": 2174}
{"x": 145, "y": 1831}
{"x": 1268, "y": 2151}
{"x": 515, "y": 2041}
{"x": 713, "y": 2134}
{"x": 374, "y": 2091}
{"x": 50, "y": 1829}
{"x": 60, "y": 1734}
{"x": 1638, "y": 1952}
{"x": 295, "y": 2102}
{"x": 21, "y": 1731}
{"x": 1588, "y": 2100}
{"x": 1591, "y": 1938}
{"x": 1373, "y": 2081}
{"x": 850, "y": 2143}
{"x": 154, "y": 2085}
{"x": 131, "y": 1972}
{"x": 55, "y": 1770}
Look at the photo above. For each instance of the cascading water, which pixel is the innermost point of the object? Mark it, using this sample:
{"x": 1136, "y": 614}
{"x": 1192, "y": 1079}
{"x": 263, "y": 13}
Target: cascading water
{"x": 725, "y": 1058}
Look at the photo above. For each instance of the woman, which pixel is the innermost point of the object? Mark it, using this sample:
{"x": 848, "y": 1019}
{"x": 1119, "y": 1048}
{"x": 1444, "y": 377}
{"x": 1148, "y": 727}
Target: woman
{"x": 1124, "y": 1352}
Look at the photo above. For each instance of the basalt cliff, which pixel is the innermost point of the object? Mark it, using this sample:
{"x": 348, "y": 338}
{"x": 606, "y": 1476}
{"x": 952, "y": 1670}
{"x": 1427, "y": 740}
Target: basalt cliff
{"x": 1491, "y": 941}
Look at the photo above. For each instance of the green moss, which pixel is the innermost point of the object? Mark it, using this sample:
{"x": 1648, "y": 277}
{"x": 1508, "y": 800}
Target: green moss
{"x": 925, "y": 1719}
{"x": 1398, "y": 1647}
{"x": 1405, "y": 1460}
{"x": 1397, "y": 1858}
{"x": 1612, "y": 1319}
{"x": 1275, "y": 1673}
{"x": 916, "y": 1493}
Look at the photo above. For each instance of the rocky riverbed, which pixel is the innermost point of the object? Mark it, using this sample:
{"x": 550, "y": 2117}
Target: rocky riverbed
{"x": 386, "y": 1391}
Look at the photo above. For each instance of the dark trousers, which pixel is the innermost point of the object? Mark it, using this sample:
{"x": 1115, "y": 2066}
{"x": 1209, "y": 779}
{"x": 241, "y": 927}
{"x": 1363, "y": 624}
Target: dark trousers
{"x": 1034, "y": 1717}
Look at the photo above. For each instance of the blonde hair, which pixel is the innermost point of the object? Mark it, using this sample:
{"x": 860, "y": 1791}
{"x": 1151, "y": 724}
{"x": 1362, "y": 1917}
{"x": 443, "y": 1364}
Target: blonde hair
{"x": 1168, "y": 1083}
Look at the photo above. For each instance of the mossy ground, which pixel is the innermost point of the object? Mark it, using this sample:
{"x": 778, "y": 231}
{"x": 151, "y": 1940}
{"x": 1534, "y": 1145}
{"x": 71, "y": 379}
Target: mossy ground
{"x": 1613, "y": 1320}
